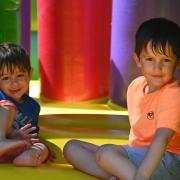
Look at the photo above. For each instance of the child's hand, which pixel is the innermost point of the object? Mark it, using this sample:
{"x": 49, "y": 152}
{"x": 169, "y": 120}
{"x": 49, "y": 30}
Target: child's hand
{"x": 23, "y": 133}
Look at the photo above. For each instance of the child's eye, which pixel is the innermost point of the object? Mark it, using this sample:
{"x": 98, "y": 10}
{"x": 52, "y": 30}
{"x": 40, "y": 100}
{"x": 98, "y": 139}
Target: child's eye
{"x": 167, "y": 60}
{"x": 149, "y": 59}
{"x": 5, "y": 78}
{"x": 20, "y": 75}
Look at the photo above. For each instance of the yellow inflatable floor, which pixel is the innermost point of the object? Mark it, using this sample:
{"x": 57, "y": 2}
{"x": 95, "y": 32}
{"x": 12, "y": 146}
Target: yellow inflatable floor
{"x": 93, "y": 123}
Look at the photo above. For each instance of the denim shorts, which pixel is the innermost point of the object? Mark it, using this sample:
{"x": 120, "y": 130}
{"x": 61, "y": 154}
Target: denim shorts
{"x": 168, "y": 168}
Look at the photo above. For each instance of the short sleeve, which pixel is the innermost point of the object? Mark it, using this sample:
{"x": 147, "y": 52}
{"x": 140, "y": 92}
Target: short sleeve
{"x": 6, "y": 103}
{"x": 168, "y": 110}
{"x": 136, "y": 85}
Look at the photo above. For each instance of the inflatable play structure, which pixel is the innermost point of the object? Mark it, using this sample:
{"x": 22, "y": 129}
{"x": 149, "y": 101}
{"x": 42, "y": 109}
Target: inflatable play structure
{"x": 88, "y": 46}
{"x": 84, "y": 47}
{"x": 84, "y": 56}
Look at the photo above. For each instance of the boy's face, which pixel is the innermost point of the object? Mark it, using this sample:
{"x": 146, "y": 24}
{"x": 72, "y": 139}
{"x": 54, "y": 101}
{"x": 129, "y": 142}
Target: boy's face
{"x": 14, "y": 84}
{"x": 157, "y": 68}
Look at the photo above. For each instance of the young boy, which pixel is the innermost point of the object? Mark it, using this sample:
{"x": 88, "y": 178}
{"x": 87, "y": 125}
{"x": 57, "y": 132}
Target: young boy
{"x": 153, "y": 105}
{"x": 19, "y": 112}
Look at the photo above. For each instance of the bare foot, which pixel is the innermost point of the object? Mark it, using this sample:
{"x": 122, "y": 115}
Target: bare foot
{"x": 32, "y": 157}
{"x": 8, "y": 145}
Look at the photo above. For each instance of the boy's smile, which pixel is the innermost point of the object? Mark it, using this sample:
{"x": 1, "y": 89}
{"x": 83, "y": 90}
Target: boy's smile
{"x": 14, "y": 84}
{"x": 157, "y": 67}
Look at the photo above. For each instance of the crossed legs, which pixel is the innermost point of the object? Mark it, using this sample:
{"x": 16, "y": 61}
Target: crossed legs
{"x": 20, "y": 152}
{"x": 34, "y": 156}
{"x": 106, "y": 161}
{"x": 8, "y": 145}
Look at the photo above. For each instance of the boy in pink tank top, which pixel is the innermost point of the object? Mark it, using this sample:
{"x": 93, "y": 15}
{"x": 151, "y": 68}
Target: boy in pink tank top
{"x": 153, "y": 100}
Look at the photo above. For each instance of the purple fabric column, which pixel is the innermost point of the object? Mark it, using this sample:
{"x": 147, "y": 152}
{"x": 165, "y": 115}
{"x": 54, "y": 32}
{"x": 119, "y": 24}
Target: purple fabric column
{"x": 123, "y": 70}
{"x": 173, "y": 14}
{"x": 25, "y": 24}
{"x": 126, "y": 18}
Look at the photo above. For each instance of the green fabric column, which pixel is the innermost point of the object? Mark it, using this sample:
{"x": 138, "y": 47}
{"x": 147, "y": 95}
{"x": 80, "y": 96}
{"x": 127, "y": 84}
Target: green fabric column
{"x": 10, "y": 21}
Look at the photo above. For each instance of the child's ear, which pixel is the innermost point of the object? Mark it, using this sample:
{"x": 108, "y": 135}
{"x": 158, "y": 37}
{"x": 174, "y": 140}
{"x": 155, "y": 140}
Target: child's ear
{"x": 137, "y": 60}
{"x": 178, "y": 64}
{"x": 31, "y": 73}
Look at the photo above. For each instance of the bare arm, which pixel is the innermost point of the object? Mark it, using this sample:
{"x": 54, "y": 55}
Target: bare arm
{"x": 155, "y": 153}
{"x": 7, "y": 115}
{"x": 11, "y": 117}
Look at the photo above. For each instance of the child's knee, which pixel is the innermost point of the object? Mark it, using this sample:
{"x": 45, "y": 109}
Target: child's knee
{"x": 70, "y": 147}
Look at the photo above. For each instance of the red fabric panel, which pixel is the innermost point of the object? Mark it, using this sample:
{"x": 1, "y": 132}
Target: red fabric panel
{"x": 74, "y": 49}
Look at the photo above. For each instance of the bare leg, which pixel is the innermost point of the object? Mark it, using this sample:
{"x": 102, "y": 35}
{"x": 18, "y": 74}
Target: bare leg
{"x": 114, "y": 160}
{"x": 82, "y": 156}
{"x": 34, "y": 156}
{"x": 11, "y": 144}
{"x": 10, "y": 149}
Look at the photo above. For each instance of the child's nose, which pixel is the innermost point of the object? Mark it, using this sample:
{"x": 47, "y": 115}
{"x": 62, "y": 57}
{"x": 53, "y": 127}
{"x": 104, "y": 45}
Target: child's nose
{"x": 157, "y": 65}
{"x": 13, "y": 81}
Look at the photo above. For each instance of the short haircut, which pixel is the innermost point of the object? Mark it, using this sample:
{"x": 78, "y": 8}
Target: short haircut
{"x": 160, "y": 32}
{"x": 12, "y": 56}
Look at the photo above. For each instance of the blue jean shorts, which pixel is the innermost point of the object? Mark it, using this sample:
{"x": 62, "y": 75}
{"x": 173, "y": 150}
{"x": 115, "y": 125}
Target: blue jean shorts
{"x": 168, "y": 168}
